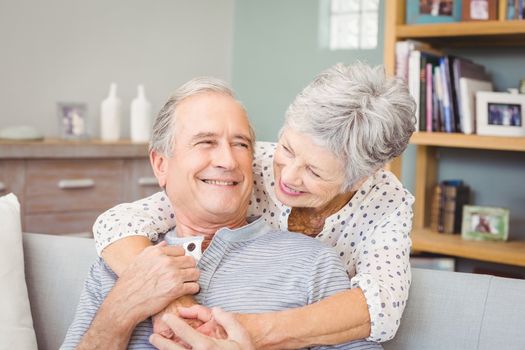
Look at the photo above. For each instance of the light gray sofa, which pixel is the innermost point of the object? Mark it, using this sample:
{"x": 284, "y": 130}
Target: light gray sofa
{"x": 446, "y": 310}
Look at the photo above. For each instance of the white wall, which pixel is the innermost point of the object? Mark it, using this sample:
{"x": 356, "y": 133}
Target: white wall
{"x": 70, "y": 50}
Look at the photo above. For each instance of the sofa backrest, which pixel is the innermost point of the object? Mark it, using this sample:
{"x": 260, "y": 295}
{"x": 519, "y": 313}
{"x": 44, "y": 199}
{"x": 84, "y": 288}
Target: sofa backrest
{"x": 446, "y": 310}
{"x": 451, "y": 310}
{"x": 55, "y": 268}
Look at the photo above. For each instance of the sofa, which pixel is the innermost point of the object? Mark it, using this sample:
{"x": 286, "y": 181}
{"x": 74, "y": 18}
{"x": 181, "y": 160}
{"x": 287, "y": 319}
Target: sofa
{"x": 446, "y": 310}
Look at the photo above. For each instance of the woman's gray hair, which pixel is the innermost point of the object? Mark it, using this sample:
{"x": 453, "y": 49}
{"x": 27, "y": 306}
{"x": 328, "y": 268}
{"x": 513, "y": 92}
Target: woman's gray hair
{"x": 359, "y": 114}
{"x": 163, "y": 134}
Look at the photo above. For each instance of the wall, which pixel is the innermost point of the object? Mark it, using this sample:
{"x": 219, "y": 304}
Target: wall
{"x": 277, "y": 52}
{"x": 70, "y": 50}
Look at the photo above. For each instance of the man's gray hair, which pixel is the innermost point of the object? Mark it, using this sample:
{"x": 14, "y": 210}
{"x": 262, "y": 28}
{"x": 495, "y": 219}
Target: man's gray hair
{"x": 163, "y": 134}
{"x": 360, "y": 115}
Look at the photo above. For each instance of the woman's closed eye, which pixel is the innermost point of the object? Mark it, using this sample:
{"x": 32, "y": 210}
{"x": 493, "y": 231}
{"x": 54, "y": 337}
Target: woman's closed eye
{"x": 313, "y": 173}
{"x": 287, "y": 150}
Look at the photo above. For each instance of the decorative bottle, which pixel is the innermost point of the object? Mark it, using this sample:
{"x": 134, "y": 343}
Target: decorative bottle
{"x": 110, "y": 115}
{"x": 140, "y": 126}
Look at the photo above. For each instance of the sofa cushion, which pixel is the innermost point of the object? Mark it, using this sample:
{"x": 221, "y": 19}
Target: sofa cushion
{"x": 56, "y": 267}
{"x": 16, "y": 324}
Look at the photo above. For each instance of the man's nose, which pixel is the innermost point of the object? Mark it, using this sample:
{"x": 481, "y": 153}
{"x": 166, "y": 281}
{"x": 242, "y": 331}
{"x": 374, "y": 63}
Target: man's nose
{"x": 224, "y": 158}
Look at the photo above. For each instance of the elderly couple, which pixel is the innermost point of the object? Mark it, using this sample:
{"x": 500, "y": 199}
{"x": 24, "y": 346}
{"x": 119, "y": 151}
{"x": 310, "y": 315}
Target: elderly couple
{"x": 306, "y": 241}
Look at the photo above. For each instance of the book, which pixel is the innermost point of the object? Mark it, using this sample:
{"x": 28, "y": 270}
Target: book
{"x": 433, "y": 60}
{"x": 417, "y": 81}
{"x": 439, "y": 122}
{"x": 413, "y": 80}
{"x": 435, "y": 208}
{"x": 454, "y": 196}
{"x": 429, "y": 96}
{"x": 463, "y": 68}
{"x": 403, "y": 50}
{"x": 467, "y": 91}
{"x": 448, "y": 119}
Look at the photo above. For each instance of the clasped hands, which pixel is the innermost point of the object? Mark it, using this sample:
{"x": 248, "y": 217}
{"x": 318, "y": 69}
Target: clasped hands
{"x": 158, "y": 276}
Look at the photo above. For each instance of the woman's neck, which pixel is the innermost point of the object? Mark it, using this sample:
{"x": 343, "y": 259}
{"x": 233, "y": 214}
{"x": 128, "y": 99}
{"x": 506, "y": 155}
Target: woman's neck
{"x": 310, "y": 221}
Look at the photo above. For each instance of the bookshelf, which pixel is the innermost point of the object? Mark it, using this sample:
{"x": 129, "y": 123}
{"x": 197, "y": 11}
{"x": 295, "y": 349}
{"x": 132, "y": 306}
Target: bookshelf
{"x": 481, "y": 33}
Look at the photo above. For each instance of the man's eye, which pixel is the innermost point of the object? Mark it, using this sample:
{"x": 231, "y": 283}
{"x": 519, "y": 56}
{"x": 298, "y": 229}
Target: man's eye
{"x": 205, "y": 142}
{"x": 242, "y": 144}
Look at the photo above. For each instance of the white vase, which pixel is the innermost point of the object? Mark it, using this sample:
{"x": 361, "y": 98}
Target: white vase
{"x": 110, "y": 115}
{"x": 140, "y": 126}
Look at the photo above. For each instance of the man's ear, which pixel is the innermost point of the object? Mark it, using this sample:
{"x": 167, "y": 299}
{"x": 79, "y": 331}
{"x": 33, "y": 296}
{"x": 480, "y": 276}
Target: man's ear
{"x": 159, "y": 163}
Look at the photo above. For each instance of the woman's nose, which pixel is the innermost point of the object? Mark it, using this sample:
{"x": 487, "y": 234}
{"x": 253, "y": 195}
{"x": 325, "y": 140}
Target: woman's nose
{"x": 290, "y": 175}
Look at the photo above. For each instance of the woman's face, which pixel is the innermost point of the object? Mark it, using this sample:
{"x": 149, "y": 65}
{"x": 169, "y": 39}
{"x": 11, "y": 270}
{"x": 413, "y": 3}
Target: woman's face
{"x": 306, "y": 174}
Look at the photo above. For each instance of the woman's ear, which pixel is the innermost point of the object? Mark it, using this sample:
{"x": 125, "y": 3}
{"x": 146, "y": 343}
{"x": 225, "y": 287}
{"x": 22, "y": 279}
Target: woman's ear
{"x": 159, "y": 163}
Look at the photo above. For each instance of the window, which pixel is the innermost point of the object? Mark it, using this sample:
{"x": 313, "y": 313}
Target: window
{"x": 353, "y": 24}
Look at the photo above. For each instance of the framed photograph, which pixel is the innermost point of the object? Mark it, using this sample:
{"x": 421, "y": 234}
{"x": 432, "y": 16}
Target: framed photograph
{"x": 485, "y": 223}
{"x": 500, "y": 114}
{"x": 72, "y": 119}
{"x": 433, "y": 11}
{"x": 479, "y": 10}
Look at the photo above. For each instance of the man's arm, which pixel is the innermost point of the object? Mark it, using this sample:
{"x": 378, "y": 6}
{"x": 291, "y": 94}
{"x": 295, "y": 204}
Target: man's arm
{"x": 159, "y": 275}
{"x": 110, "y": 329}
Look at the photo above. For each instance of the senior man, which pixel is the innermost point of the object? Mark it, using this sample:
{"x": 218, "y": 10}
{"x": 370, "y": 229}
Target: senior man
{"x": 202, "y": 153}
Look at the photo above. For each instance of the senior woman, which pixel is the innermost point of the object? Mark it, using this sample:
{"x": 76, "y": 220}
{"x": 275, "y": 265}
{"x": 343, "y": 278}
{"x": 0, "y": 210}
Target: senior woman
{"x": 323, "y": 178}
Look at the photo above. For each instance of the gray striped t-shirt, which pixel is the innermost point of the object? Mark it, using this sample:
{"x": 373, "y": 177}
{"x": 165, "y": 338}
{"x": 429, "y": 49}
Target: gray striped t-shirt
{"x": 248, "y": 270}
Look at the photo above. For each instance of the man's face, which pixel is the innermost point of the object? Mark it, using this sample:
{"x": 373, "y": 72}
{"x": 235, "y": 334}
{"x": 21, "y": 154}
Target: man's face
{"x": 209, "y": 176}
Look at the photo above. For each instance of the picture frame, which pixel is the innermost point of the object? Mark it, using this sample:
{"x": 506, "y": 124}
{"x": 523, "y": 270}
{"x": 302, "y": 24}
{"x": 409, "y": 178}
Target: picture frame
{"x": 72, "y": 120}
{"x": 500, "y": 114}
{"x": 485, "y": 223}
{"x": 479, "y": 10}
{"x": 432, "y": 11}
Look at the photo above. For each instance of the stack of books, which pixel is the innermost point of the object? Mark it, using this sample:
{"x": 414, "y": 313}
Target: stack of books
{"x": 443, "y": 86}
{"x": 515, "y": 9}
{"x": 446, "y": 212}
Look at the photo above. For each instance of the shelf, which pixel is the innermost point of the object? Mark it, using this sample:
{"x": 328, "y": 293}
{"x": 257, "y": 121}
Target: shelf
{"x": 510, "y": 253}
{"x": 457, "y": 140}
{"x": 57, "y": 148}
{"x": 476, "y": 33}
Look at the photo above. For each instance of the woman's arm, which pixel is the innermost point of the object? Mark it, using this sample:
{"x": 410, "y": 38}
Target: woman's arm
{"x": 126, "y": 229}
{"x": 337, "y": 319}
{"x": 120, "y": 254}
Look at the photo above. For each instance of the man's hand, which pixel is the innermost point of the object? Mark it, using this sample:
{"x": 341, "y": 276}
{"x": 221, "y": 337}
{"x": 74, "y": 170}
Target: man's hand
{"x": 156, "y": 277}
{"x": 238, "y": 338}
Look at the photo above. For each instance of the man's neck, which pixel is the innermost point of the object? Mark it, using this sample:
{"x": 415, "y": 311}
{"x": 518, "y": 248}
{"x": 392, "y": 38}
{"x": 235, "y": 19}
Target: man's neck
{"x": 188, "y": 225}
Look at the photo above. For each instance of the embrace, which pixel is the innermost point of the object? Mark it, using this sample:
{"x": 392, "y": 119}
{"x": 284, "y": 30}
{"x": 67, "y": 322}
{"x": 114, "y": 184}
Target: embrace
{"x": 305, "y": 242}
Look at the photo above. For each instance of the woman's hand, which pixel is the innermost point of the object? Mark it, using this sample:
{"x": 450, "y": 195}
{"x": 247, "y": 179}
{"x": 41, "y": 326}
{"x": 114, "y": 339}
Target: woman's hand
{"x": 162, "y": 328}
{"x": 238, "y": 337}
{"x": 203, "y": 314}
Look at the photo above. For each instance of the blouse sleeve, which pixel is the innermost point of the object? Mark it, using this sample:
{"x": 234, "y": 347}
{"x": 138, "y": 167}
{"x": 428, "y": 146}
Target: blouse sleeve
{"x": 383, "y": 270}
{"x": 146, "y": 217}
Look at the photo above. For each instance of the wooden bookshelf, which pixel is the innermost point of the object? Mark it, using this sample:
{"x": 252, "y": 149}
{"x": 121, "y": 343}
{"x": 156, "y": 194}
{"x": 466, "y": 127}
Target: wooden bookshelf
{"x": 458, "y": 29}
{"x": 511, "y": 253}
{"x": 480, "y": 34}
{"x": 441, "y": 139}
